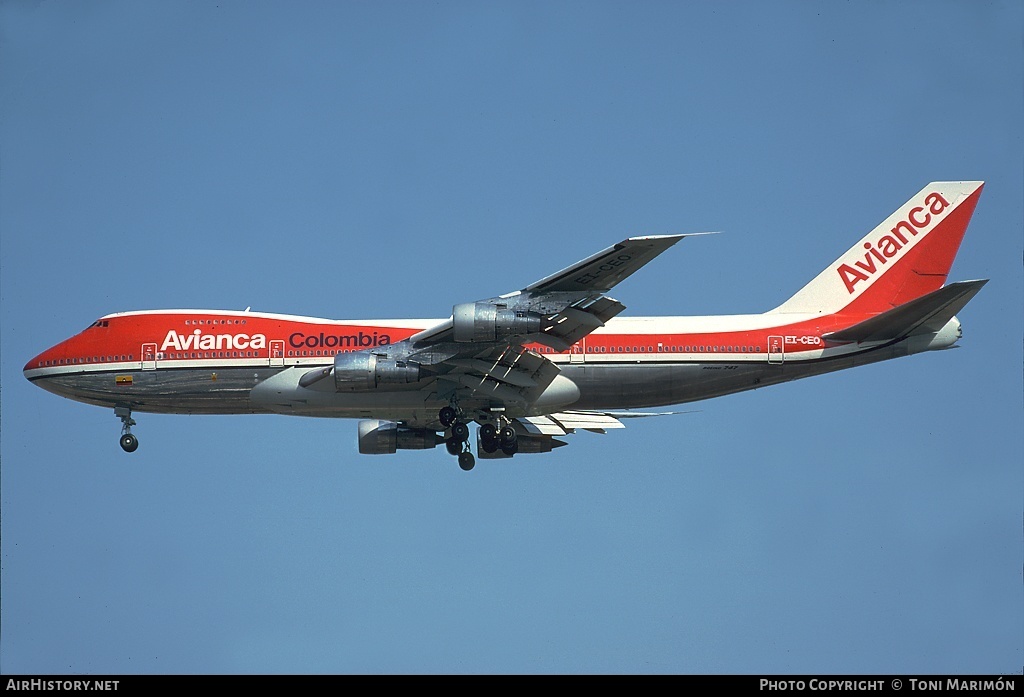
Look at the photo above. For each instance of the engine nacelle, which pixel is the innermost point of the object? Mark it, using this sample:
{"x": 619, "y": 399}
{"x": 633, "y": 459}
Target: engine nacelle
{"x": 483, "y": 322}
{"x": 385, "y": 437}
{"x": 366, "y": 371}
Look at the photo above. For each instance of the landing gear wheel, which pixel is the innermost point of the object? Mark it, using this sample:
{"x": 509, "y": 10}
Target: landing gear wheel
{"x": 460, "y": 431}
{"x": 508, "y": 440}
{"x": 129, "y": 443}
{"x": 466, "y": 461}
{"x": 454, "y": 446}
{"x": 489, "y": 445}
{"x": 488, "y": 432}
{"x": 447, "y": 416}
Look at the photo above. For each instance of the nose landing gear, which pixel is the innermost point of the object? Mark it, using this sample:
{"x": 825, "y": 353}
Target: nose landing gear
{"x": 129, "y": 443}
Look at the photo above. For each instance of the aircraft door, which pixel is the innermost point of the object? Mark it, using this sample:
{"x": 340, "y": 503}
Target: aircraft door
{"x": 578, "y": 352}
{"x": 277, "y": 353}
{"x": 776, "y": 349}
{"x": 149, "y": 356}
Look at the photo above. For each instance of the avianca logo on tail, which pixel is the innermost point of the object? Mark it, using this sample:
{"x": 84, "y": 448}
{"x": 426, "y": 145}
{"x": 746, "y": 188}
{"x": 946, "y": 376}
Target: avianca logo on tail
{"x": 893, "y": 244}
{"x": 199, "y": 341}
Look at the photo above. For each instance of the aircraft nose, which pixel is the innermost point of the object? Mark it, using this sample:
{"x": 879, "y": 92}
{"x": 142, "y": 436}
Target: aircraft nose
{"x": 33, "y": 364}
{"x": 43, "y": 359}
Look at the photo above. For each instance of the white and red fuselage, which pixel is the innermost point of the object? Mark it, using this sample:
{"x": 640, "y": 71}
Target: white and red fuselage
{"x": 208, "y": 362}
{"x": 883, "y": 299}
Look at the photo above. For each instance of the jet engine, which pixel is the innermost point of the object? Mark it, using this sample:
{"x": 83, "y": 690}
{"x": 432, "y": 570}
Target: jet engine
{"x": 355, "y": 372}
{"x": 482, "y": 321}
{"x": 385, "y": 437}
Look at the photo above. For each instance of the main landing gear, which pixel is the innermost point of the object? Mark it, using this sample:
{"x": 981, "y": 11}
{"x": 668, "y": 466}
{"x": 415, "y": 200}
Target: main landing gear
{"x": 495, "y": 435}
{"x": 502, "y": 436}
{"x": 129, "y": 443}
{"x": 458, "y": 441}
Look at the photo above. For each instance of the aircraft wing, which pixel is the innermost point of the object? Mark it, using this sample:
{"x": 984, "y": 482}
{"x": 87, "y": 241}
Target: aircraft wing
{"x": 509, "y": 375}
{"x": 478, "y": 356}
{"x": 557, "y": 310}
{"x": 565, "y": 422}
{"x": 602, "y": 271}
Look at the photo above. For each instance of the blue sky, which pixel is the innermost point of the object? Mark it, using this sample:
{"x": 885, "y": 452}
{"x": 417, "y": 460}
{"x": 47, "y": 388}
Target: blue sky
{"x": 373, "y": 160}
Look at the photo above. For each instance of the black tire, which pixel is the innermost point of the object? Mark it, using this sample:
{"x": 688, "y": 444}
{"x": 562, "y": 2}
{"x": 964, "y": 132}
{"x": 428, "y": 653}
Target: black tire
{"x": 460, "y": 431}
{"x": 447, "y": 416}
{"x": 129, "y": 443}
{"x": 489, "y": 445}
{"x": 467, "y": 461}
{"x": 488, "y": 432}
{"x": 508, "y": 434}
{"x": 454, "y": 446}
{"x": 510, "y": 448}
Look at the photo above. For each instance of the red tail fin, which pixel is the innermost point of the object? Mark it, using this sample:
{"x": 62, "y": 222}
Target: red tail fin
{"x": 908, "y": 255}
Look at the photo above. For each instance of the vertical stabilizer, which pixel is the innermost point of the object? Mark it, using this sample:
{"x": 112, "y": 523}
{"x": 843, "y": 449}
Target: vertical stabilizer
{"x": 908, "y": 255}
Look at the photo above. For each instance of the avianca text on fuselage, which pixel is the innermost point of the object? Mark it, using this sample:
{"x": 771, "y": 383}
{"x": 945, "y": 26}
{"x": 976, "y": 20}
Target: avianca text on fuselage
{"x": 197, "y": 341}
{"x": 206, "y": 342}
{"x": 893, "y": 245}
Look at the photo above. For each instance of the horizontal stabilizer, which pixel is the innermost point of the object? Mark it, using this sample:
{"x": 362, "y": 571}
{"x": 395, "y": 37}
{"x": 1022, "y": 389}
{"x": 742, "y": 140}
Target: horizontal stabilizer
{"x": 925, "y": 315}
{"x": 565, "y": 422}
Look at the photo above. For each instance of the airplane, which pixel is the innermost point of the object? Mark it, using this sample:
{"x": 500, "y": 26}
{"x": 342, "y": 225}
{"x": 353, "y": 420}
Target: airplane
{"x": 533, "y": 365}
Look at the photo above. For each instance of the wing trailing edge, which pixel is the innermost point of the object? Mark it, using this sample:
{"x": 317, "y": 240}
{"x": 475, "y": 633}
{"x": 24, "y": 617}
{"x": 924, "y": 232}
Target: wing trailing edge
{"x": 565, "y": 422}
